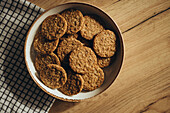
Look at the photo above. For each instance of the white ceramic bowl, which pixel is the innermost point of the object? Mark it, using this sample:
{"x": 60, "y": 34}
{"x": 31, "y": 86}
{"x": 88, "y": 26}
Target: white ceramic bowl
{"x": 111, "y": 72}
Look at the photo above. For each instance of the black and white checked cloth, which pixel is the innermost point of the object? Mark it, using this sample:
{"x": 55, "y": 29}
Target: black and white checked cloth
{"x": 18, "y": 92}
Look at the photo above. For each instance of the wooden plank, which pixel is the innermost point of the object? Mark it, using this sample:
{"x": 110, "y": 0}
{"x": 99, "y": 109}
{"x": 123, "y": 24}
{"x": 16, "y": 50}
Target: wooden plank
{"x": 143, "y": 84}
{"x": 127, "y": 13}
{"x": 46, "y": 4}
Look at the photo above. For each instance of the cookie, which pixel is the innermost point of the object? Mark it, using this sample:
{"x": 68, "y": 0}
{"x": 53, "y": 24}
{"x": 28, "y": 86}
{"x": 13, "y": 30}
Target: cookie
{"x": 44, "y": 46}
{"x": 104, "y": 43}
{"x": 54, "y": 27}
{"x": 93, "y": 79}
{"x": 53, "y": 76}
{"x": 82, "y": 59}
{"x": 91, "y": 27}
{"x": 42, "y": 60}
{"x": 66, "y": 46}
{"x": 74, "y": 20}
{"x": 103, "y": 62}
{"x": 74, "y": 84}
{"x": 69, "y": 36}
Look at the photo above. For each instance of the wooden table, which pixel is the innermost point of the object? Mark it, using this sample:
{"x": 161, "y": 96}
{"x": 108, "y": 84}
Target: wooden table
{"x": 143, "y": 84}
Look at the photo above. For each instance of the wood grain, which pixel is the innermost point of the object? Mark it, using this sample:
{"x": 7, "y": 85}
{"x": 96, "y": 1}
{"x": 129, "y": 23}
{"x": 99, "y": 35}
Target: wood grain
{"x": 127, "y": 13}
{"x": 143, "y": 85}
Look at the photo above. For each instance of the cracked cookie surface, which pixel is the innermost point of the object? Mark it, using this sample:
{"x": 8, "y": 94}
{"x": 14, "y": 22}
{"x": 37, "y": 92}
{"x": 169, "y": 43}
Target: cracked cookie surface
{"x": 93, "y": 79}
{"x": 103, "y": 62}
{"x": 44, "y": 46}
{"x": 42, "y": 60}
{"x": 66, "y": 46}
{"x": 91, "y": 27}
{"x": 82, "y": 59}
{"x": 54, "y": 27}
{"x": 53, "y": 76}
{"x": 75, "y": 20}
{"x": 74, "y": 84}
{"x": 104, "y": 43}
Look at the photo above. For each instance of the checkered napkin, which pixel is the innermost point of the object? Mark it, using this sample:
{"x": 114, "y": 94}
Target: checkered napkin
{"x": 18, "y": 92}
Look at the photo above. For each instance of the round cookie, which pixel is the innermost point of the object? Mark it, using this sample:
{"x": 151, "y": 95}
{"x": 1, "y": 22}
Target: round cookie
{"x": 53, "y": 76}
{"x": 69, "y": 36}
{"x": 82, "y": 59}
{"x": 91, "y": 27}
{"x": 54, "y": 27}
{"x": 66, "y": 46}
{"x": 44, "y": 46}
{"x": 42, "y": 60}
{"x": 103, "y": 62}
{"x": 74, "y": 20}
{"x": 93, "y": 79}
{"x": 104, "y": 43}
{"x": 74, "y": 84}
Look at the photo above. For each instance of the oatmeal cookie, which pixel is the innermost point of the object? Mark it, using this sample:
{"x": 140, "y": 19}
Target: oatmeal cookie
{"x": 82, "y": 59}
{"x": 42, "y": 60}
{"x": 44, "y": 46}
{"x": 103, "y": 62}
{"x": 54, "y": 27}
{"x": 75, "y": 20}
{"x": 53, "y": 76}
{"x": 91, "y": 27}
{"x": 74, "y": 84}
{"x": 104, "y": 43}
{"x": 93, "y": 79}
{"x": 66, "y": 46}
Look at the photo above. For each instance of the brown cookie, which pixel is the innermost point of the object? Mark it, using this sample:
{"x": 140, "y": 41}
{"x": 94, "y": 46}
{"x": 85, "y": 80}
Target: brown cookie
{"x": 53, "y": 76}
{"x": 103, "y": 62}
{"x": 74, "y": 20}
{"x": 74, "y": 84}
{"x": 54, "y": 27}
{"x": 104, "y": 43}
{"x": 42, "y": 60}
{"x": 82, "y": 59}
{"x": 69, "y": 36}
{"x": 93, "y": 79}
{"x": 44, "y": 46}
{"x": 66, "y": 46}
{"x": 91, "y": 27}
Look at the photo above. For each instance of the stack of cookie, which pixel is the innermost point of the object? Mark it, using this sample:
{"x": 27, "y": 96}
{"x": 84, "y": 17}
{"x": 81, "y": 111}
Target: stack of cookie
{"x": 71, "y": 51}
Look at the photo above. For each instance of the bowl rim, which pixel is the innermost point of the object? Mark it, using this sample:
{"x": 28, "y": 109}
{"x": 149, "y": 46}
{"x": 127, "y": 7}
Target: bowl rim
{"x": 122, "y": 57}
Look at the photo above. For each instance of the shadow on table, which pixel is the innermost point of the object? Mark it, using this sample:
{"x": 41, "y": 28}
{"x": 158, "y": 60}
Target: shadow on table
{"x": 62, "y": 106}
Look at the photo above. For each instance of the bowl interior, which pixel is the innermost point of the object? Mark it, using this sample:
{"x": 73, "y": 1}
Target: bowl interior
{"x": 111, "y": 72}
